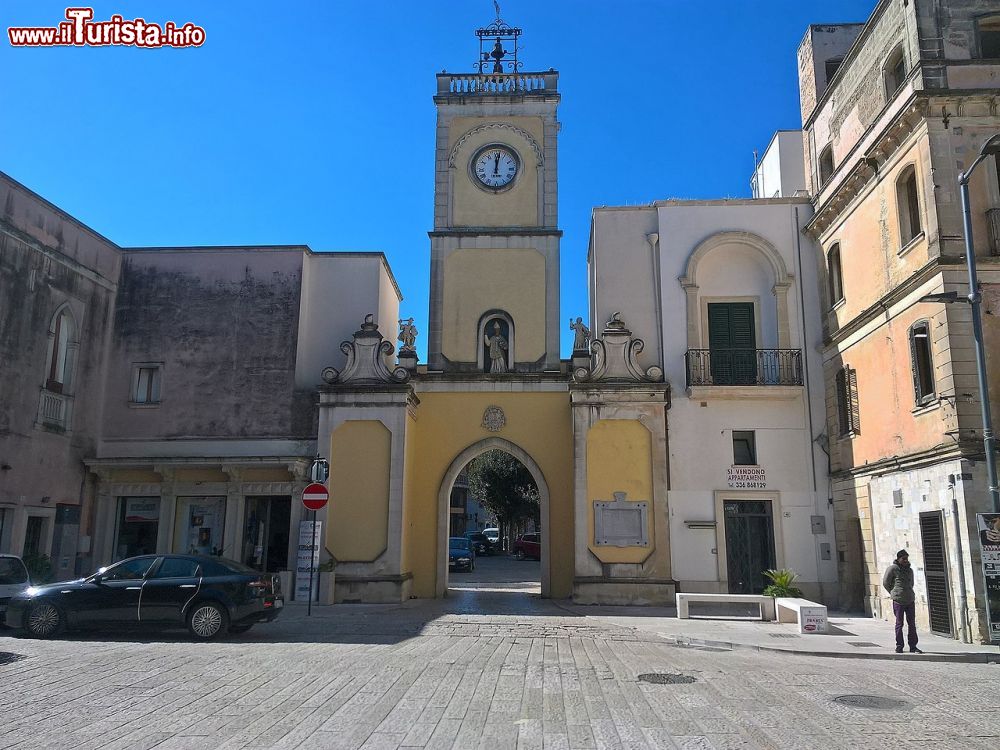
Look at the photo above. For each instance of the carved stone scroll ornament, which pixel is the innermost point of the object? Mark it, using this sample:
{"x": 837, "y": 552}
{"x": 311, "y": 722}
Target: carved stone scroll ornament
{"x": 366, "y": 359}
{"x": 615, "y": 357}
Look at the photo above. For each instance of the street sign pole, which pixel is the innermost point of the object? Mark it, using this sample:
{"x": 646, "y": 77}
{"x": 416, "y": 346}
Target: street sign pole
{"x": 314, "y": 497}
{"x": 312, "y": 568}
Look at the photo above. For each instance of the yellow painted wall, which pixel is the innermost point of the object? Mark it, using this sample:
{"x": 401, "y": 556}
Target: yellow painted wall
{"x": 619, "y": 459}
{"x": 512, "y": 280}
{"x": 410, "y": 505}
{"x": 517, "y": 206}
{"x": 359, "y": 491}
{"x": 447, "y": 424}
{"x": 201, "y": 475}
{"x": 134, "y": 476}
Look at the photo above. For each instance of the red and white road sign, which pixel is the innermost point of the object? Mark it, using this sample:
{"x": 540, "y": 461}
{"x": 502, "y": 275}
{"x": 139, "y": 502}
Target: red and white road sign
{"x": 315, "y": 496}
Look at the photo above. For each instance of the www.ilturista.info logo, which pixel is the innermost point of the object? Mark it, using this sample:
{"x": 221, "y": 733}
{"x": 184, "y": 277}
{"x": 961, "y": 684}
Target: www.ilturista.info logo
{"x": 80, "y": 30}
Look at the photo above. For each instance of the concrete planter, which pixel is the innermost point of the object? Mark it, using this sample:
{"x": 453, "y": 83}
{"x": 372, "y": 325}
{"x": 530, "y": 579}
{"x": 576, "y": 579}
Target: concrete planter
{"x": 327, "y": 587}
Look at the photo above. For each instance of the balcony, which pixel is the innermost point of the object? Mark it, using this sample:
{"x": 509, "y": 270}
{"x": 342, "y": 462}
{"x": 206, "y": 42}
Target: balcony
{"x": 739, "y": 373}
{"x": 55, "y": 411}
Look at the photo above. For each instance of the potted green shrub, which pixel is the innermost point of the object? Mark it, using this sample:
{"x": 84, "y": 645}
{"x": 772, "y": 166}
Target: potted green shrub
{"x": 781, "y": 584}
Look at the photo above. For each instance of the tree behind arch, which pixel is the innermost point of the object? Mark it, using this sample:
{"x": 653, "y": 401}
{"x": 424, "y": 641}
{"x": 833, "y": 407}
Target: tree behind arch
{"x": 504, "y": 486}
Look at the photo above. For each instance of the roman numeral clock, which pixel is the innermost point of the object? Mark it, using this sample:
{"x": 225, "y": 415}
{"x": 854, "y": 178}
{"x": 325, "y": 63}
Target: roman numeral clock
{"x": 495, "y": 167}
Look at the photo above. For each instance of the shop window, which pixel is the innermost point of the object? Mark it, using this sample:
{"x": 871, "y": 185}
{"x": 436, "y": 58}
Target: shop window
{"x": 921, "y": 363}
{"x": 835, "y": 277}
{"x": 848, "y": 413}
{"x": 744, "y": 448}
{"x": 894, "y": 72}
{"x": 825, "y": 165}
{"x": 33, "y": 536}
{"x": 138, "y": 526}
{"x": 908, "y": 206}
{"x": 988, "y": 31}
{"x": 266, "y": 532}
{"x": 146, "y": 383}
{"x": 198, "y": 525}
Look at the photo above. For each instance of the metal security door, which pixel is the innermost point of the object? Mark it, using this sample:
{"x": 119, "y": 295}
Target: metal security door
{"x": 936, "y": 571}
{"x": 749, "y": 544}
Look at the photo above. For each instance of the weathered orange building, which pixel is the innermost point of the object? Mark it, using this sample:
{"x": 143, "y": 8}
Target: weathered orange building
{"x": 892, "y": 111}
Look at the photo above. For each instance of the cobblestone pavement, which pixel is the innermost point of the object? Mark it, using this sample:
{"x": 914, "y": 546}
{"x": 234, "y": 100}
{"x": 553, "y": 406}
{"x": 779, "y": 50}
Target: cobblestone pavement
{"x": 444, "y": 675}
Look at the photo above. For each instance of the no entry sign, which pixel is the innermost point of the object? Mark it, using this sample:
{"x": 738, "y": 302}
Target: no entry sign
{"x": 315, "y": 496}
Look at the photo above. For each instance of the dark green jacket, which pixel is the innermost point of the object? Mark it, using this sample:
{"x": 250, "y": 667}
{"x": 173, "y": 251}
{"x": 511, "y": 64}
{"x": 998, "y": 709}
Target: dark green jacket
{"x": 898, "y": 581}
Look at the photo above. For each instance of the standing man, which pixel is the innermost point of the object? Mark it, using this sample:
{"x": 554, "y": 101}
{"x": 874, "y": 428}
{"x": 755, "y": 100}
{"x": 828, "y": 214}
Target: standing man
{"x": 898, "y": 581}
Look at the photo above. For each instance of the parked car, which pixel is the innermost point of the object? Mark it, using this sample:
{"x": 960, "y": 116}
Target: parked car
{"x": 461, "y": 555}
{"x": 493, "y": 535}
{"x": 528, "y": 545}
{"x": 13, "y": 579}
{"x": 480, "y": 543}
{"x": 209, "y": 595}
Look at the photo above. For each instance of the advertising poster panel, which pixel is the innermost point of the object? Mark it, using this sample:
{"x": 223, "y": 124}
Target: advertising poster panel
{"x": 989, "y": 537}
{"x": 307, "y": 558}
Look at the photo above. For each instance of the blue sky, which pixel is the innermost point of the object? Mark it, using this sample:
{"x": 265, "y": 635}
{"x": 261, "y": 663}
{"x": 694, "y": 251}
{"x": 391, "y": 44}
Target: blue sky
{"x": 312, "y": 122}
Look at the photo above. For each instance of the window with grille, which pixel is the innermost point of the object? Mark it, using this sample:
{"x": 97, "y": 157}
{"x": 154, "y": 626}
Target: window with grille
{"x": 922, "y": 363}
{"x": 847, "y": 402}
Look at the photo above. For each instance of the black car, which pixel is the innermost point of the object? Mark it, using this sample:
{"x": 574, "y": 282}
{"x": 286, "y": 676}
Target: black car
{"x": 480, "y": 542}
{"x": 209, "y": 595}
{"x": 461, "y": 555}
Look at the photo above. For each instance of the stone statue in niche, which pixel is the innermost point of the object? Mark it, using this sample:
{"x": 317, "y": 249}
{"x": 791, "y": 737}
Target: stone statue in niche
{"x": 581, "y": 336}
{"x": 498, "y": 349}
{"x": 407, "y": 334}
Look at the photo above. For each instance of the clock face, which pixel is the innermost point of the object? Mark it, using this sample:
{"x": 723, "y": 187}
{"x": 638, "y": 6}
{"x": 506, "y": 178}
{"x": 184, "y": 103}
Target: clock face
{"x": 495, "y": 167}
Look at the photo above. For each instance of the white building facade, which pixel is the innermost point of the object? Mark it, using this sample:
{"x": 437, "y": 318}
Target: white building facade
{"x": 723, "y": 293}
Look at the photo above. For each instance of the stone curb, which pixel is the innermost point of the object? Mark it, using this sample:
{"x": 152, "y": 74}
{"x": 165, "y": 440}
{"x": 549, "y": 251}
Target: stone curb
{"x": 966, "y": 657}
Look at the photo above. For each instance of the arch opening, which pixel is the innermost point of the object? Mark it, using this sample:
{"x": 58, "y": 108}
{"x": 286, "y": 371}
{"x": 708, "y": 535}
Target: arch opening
{"x": 493, "y": 490}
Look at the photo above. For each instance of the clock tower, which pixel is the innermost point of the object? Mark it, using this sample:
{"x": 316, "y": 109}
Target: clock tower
{"x": 494, "y": 302}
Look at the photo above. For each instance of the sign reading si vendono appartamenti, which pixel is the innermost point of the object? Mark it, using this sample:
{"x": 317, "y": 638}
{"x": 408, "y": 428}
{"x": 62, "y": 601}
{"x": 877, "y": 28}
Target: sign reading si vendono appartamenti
{"x": 989, "y": 536}
{"x": 746, "y": 478}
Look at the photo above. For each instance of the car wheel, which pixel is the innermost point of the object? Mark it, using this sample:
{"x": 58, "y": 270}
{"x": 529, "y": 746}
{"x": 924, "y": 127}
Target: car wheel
{"x": 208, "y": 620}
{"x": 237, "y": 629}
{"x": 519, "y": 554}
{"x": 44, "y": 620}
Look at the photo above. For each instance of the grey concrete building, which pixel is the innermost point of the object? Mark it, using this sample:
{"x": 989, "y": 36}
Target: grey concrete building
{"x": 163, "y": 399}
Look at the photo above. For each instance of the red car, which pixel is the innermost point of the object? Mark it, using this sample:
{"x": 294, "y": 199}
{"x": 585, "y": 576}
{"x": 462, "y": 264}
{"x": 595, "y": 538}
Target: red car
{"x": 528, "y": 545}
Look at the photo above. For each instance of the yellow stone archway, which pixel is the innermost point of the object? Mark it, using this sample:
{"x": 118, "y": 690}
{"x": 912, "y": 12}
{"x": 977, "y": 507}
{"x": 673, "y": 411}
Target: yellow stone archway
{"x": 444, "y": 494}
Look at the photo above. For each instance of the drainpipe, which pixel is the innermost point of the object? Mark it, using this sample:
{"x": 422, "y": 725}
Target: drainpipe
{"x": 963, "y": 598}
{"x": 804, "y": 339}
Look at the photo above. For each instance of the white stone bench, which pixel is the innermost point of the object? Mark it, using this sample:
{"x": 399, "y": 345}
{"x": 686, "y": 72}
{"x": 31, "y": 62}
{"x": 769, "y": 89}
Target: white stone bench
{"x": 766, "y": 602}
{"x": 810, "y": 616}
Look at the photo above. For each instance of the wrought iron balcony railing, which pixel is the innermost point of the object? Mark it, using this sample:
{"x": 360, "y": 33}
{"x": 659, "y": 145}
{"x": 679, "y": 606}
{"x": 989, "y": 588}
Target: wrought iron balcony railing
{"x": 744, "y": 366}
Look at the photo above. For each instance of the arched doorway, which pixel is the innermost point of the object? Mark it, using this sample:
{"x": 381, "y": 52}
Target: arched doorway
{"x": 444, "y": 500}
